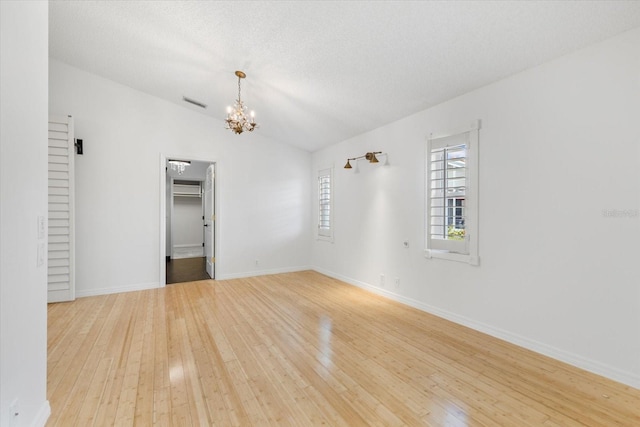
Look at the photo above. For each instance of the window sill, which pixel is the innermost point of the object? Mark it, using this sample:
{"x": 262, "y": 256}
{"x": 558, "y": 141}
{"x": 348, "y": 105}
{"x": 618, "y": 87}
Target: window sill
{"x": 451, "y": 256}
{"x": 325, "y": 238}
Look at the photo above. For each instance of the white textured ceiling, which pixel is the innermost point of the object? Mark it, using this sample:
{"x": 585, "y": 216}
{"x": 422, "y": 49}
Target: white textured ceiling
{"x": 319, "y": 72}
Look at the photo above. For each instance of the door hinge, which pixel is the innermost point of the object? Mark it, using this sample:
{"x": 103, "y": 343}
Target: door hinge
{"x": 203, "y": 244}
{"x": 213, "y": 259}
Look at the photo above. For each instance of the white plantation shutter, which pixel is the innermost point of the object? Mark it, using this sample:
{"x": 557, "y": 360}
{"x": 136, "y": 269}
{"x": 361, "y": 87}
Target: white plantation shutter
{"x": 325, "y": 204}
{"x": 61, "y": 272}
{"x": 452, "y": 195}
{"x": 447, "y": 192}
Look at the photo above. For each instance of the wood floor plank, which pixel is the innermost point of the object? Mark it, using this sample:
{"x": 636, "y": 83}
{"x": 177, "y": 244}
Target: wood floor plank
{"x": 144, "y": 398}
{"x": 116, "y": 343}
{"x": 94, "y": 394}
{"x": 75, "y": 377}
{"x": 127, "y": 399}
{"x": 302, "y": 349}
{"x": 64, "y": 345}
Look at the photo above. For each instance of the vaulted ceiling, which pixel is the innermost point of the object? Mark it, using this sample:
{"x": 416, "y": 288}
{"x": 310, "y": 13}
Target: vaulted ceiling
{"x": 319, "y": 72}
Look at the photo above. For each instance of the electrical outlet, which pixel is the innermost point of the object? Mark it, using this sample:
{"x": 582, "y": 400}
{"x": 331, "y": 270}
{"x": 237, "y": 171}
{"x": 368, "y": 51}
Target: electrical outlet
{"x": 257, "y": 262}
{"x": 382, "y": 280}
{"x": 397, "y": 282}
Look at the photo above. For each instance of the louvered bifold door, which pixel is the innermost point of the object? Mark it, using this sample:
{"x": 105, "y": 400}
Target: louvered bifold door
{"x": 60, "y": 277}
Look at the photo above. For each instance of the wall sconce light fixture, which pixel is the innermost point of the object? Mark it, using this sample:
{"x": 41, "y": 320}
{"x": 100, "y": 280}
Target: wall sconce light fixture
{"x": 371, "y": 156}
{"x": 78, "y": 144}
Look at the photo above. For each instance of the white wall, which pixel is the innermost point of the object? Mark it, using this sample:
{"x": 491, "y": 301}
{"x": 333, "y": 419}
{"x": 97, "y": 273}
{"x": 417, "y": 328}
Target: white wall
{"x": 187, "y": 221}
{"x": 263, "y": 207}
{"x": 558, "y": 145}
{"x": 23, "y": 195}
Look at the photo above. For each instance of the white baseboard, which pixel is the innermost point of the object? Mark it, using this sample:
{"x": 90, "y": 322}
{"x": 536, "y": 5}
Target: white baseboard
{"x": 576, "y": 360}
{"x": 194, "y": 250}
{"x": 42, "y": 416}
{"x": 116, "y": 289}
{"x": 260, "y": 273}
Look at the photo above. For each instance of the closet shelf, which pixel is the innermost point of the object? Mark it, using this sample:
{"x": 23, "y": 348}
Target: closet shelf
{"x": 187, "y": 190}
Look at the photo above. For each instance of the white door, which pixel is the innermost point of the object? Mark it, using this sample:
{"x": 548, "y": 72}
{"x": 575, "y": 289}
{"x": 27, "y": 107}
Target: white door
{"x": 61, "y": 271}
{"x": 209, "y": 221}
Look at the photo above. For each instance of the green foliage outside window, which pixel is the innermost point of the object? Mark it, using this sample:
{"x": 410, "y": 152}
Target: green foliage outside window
{"x": 455, "y": 233}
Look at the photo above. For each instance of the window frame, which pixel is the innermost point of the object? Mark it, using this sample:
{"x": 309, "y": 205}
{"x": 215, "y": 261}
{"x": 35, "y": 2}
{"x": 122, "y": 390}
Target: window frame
{"x": 325, "y": 233}
{"x": 465, "y": 251}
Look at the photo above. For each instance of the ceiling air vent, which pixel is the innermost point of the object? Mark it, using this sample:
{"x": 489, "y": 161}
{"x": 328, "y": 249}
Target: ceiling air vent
{"x": 194, "y": 102}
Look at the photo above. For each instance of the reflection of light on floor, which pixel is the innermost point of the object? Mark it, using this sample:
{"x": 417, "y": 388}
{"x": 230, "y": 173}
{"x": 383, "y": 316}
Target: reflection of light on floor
{"x": 176, "y": 374}
{"x": 324, "y": 341}
{"x": 455, "y": 416}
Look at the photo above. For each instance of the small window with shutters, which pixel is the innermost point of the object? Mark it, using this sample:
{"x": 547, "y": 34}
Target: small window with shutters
{"x": 452, "y": 202}
{"x": 325, "y": 204}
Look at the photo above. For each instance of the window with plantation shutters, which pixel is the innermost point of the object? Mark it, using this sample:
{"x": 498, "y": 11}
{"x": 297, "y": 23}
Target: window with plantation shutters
{"x": 61, "y": 247}
{"x": 447, "y": 191}
{"x": 451, "y": 211}
{"x": 325, "y": 204}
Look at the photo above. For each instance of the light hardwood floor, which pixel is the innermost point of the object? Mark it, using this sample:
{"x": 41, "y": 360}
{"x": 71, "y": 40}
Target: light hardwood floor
{"x": 302, "y": 349}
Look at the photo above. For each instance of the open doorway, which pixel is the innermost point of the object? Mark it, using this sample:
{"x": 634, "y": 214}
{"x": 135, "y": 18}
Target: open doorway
{"x": 189, "y": 220}
{"x": 186, "y": 258}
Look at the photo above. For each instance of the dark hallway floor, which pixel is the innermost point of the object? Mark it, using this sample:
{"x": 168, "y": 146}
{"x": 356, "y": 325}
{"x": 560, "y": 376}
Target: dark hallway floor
{"x": 186, "y": 270}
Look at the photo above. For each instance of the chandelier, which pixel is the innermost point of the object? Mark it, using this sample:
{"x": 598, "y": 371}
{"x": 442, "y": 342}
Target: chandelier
{"x": 236, "y": 120}
{"x": 179, "y": 165}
